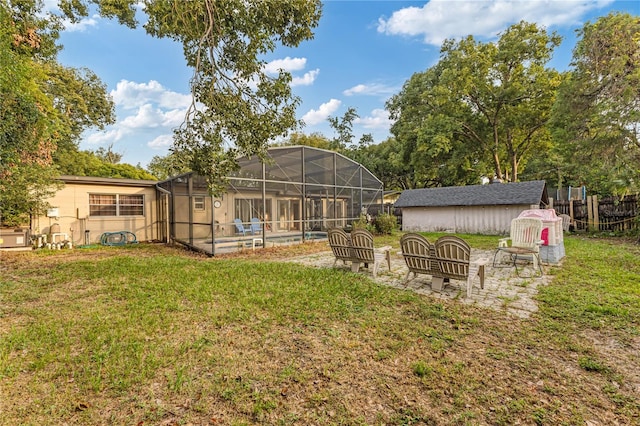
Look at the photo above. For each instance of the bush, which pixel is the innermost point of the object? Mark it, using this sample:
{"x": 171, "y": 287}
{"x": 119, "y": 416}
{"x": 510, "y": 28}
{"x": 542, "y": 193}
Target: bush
{"x": 363, "y": 223}
{"x": 385, "y": 223}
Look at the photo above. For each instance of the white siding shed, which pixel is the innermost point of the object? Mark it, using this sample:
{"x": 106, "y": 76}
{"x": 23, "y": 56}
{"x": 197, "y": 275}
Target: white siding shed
{"x": 474, "y": 209}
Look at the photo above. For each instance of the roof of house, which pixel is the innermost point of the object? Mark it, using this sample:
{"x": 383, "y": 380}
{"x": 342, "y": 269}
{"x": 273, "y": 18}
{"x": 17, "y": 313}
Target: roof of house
{"x": 106, "y": 181}
{"x": 531, "y": 193}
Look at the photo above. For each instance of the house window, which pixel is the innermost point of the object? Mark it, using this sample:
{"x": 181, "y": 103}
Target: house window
{"x": 198, "y": 203}
{"x": 102, "y": 205}
{"x": 130, "y": 205}
{"x": 116, "y": 205}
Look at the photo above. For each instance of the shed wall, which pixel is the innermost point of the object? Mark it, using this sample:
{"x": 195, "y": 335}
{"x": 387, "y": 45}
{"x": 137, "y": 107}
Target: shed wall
{"x": 488, "y": 220}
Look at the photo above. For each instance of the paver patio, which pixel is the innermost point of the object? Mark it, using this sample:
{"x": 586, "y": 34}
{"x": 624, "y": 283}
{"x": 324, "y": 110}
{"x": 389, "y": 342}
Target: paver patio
{"x": 503, "y": 290}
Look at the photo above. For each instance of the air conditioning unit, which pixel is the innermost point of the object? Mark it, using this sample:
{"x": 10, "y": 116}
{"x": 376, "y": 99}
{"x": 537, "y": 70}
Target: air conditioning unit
{"x": 10, "y": 238}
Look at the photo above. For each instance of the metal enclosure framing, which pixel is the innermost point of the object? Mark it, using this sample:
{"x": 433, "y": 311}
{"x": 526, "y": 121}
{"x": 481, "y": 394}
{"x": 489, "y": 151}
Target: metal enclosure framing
{"x": 294, "y": 196}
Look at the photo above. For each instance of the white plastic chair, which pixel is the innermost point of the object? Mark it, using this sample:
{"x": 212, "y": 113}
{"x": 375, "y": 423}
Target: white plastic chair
{"x": 525, "y": 241}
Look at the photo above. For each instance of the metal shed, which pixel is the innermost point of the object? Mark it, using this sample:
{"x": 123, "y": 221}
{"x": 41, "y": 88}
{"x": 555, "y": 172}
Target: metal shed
{"x": 474, "y": 209}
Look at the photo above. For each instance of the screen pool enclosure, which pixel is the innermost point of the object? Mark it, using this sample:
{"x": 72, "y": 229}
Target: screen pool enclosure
{"x": 294, "y": 196}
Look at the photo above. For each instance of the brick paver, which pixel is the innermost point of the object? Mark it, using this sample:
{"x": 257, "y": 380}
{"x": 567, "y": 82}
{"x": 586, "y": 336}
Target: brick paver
{"x": 503, "y": 289}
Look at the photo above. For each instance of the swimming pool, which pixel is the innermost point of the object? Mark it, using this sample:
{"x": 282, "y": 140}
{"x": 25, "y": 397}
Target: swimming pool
{"x": 230, "y": 244}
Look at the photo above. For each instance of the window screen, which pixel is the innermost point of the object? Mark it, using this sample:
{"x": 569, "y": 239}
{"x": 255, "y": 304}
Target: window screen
{"x": 116, "y": 205}
{"x": 102, "y": 205}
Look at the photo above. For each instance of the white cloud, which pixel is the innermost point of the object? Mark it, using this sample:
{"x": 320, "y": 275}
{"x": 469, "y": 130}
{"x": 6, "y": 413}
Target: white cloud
{"x": 321, "y": 114}
{"x": 82, "y": 25}
{"x": 174, "y": 117}
{"x": 379, "y": 119}
{"x": 287, "y": 64}
{"x": 129, "y": 94}
{"x": 106, "y": 137}
{"x": 370, "y": 90}
{"x": 51, "y": 6}
{"x": 291, "y": 65}
{"x": 145, "y": 111}
{"x": 161, "y": 142}
{"x": 136, "y": 125}
{"x": 149, "y": 117}
{"x": 306, "y": 80}
{"x": 441, "y": 19}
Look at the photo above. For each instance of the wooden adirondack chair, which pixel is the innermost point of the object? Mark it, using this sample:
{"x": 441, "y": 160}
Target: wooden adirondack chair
{"x": 419, "y": 255}
{"x": 454, "y": 261}
{"x": 340, "y": 243}
{"x": 364, "y": 252}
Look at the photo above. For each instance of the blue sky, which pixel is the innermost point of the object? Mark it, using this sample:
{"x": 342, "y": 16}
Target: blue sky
{"x": 362, "y": 53}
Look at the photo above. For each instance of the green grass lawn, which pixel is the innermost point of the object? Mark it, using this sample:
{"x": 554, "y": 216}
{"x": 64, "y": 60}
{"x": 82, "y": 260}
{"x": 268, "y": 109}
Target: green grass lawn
{"x": 152, "y": 335}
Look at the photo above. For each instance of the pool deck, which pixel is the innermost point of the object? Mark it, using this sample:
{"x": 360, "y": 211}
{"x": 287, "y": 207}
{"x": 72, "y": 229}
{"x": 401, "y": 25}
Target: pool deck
{"x": 236, "y": 243}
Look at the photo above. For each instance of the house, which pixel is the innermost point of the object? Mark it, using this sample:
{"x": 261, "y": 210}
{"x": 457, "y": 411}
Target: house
{"x": 295, "y": 195}
{"x": 474, "y": 209}
{"x": 86, "y": 207}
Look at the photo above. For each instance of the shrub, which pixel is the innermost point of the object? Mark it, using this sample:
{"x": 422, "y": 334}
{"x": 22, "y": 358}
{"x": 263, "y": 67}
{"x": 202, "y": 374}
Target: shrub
{"x": 385, "y": 223}
{"x": 363, "y": 223}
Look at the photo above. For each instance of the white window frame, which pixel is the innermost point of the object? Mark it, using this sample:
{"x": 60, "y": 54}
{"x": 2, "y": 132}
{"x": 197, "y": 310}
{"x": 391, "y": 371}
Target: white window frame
{"x": 118, "y": 205}
{"x": 199, "y": 203}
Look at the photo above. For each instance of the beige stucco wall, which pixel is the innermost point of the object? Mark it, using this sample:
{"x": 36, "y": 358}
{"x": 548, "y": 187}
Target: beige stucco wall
{"x": 72, "y": 202}
{"x": 487, "y": 220}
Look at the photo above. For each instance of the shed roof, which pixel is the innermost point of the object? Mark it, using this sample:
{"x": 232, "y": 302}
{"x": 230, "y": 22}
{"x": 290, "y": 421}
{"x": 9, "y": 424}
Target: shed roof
{"x": 532, "y": 192}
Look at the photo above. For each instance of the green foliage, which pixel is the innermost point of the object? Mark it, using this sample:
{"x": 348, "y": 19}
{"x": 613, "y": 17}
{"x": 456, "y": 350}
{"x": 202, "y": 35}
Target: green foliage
{"x": 315, "y": 140}
{"x": 385, "y": 223}
{"x": 43, "y": 106}
{"x": 87, "y": 163}
{"x": 242, "y": 106}
{"x": 597, "y": 113}
{"x": 27, "y": 135}
{"x": 363, "y": 222}
{"x": 344, "y": 130}
{"x": 172, "y": 164}
{"x": 389, "y": 162}
{"x": 107, "y": 155}
{"x": 481, "y": 111}
{"x": 421, "y": 369}
{"x": 590, "y": 364}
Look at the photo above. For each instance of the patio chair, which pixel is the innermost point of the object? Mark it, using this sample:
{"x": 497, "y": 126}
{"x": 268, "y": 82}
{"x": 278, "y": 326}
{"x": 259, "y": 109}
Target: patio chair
{"x": 453, "y": 255}
{"x": 419, "y": 255}
{"x": 364, "y": 252}
{"x": 525, "y": 242}
{"x": 340, "y": 243}
{"x": 240, "y": 229}
{"x": 255, "y": 227}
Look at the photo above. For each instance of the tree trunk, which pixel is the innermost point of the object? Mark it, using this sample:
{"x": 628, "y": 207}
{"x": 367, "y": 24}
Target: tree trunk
{"x": 496, "y": 165}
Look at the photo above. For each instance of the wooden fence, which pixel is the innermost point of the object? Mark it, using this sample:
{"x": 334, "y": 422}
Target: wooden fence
{"x": 605, "y": 214}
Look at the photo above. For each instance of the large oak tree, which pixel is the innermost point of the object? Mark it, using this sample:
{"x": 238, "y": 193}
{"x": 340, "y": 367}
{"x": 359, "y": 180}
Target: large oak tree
{"x": 481, "y": 110}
